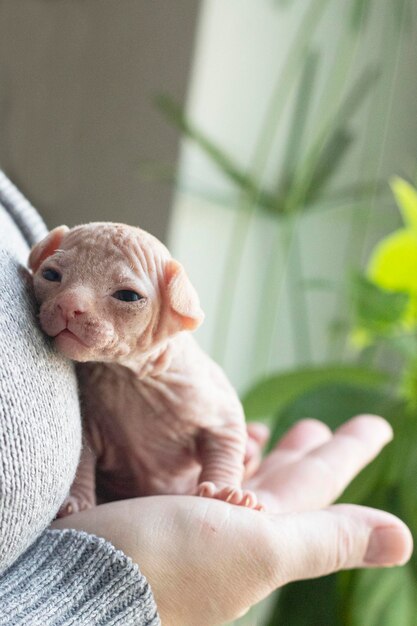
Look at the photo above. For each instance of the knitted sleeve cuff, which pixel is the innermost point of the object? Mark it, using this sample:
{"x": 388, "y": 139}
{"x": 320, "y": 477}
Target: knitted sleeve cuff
{"x": 71, "y": 578}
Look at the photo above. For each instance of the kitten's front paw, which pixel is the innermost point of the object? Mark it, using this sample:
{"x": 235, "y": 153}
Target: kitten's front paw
{"x": 233, "y": 495}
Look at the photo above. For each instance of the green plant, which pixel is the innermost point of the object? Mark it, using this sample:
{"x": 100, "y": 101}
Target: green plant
{"x": 384, "y": 322}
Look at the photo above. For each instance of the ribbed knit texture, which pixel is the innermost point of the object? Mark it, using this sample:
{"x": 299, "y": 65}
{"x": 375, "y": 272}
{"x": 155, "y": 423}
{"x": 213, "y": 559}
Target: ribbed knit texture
{"x": 23, "y": 213}
{"x": 47, "y": 577}
{"x": 98, "y": 586}
{"x": 40, "y": 432}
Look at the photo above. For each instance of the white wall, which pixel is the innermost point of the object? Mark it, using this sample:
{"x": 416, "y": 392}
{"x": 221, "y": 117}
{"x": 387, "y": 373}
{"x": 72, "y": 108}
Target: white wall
{"x": 240, "y": 50}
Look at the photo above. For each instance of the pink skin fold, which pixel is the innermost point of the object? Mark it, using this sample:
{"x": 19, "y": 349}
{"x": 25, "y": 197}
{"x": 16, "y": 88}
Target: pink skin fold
{"x": 160, "y": 417}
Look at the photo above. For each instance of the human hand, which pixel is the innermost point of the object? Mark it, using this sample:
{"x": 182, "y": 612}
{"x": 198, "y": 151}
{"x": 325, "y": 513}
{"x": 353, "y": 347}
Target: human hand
{"x": 208, "y": 562}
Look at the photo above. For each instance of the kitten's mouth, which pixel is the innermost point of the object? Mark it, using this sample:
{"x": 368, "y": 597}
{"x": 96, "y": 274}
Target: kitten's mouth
{"x": 68, "y": 334}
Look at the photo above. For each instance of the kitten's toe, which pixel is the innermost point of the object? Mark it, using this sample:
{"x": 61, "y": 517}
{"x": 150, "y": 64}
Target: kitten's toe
{"x": 68, "y": 507}
{"x": 206, "y": 489}
{"x": 249, "y": 499}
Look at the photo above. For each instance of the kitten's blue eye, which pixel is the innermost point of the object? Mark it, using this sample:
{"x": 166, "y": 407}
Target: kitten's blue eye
{"x": 126, "y": 295}
{"x": 52, "y": 275}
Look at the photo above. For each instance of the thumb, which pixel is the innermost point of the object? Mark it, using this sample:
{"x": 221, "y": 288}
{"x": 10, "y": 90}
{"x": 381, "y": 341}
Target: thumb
{"x": 313, "y": 544}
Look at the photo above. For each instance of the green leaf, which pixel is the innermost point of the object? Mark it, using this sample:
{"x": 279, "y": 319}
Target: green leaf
{"x": 329, "y": 161}
{"x": 312, "y": 603}
{"x": 298, "y": 122}
{"x": 333, "y": 138}
{"x": 331, "y": 148}
{"x": 373, "y": 598}
{"x": 393, "y": 262}
{"x": 319, "y": 284}
{"x": 407, "y": 494}
{"x": 404, "y": 468}
{"x": 403, "y": 344}
{"x": 393, "y": 267}
{"x": 365, "y": 190}
{"x": 406, "y": 197}
{"x": 175, "y": 114}
{"x": 270, "y": 395}
{"x": 360, "y": 13}
{"x": 376, "y": 309}
{"x": 359, "y": 92}
{"x": 384, "y": 598}
{"x": 332, "y": 403}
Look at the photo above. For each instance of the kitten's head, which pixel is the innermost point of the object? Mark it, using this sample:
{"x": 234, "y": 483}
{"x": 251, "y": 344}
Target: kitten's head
{"x": 108, "y": 291}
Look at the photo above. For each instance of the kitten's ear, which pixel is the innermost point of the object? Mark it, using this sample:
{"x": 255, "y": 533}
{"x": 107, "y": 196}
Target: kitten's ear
{"x": 182, "y": 297}
{"x": 46, "y": 247}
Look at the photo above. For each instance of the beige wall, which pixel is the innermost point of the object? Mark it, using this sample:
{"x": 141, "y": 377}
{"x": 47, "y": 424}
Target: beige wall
{"x": 77, "y": 80}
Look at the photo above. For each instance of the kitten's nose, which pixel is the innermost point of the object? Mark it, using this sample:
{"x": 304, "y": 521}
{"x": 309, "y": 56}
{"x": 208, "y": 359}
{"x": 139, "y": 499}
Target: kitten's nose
{"x": 73, "y": 304}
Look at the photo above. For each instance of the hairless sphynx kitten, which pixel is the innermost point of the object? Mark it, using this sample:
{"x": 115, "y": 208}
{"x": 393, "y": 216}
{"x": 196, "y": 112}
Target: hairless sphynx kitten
{"x": 114, "y": 300}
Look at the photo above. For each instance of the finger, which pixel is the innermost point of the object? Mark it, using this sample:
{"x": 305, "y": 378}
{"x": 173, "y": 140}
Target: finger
{"x": 252, "y": 460}
{"x": 259, "y": 432}
{"x": 318, "y": 543}
{"x": 318, "y": 478}
{"x": 306, "y": 435}
{"x": 355, "y": 444}
{"x": 258, "y": 435}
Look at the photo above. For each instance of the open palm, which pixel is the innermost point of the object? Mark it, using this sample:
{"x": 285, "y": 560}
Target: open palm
{"x": 208, "y": 561}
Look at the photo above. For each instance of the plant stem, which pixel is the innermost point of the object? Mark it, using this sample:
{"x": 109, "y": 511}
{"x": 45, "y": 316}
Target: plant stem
{"x": 298, "y": 304}
{"x": 247, "y": 202}
{"x": 271, "y": 292}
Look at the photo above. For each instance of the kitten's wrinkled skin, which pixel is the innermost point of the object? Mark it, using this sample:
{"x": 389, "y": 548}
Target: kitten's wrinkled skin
{"x": 174, "y": 423}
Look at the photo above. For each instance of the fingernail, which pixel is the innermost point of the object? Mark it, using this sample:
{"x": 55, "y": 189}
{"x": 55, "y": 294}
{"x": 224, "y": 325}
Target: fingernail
{"x": 231, "y": 494}
{"x": 387, "y": 546}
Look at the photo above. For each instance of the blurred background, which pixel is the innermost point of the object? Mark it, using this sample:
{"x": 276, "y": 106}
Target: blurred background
{"x": 272, "y": 144}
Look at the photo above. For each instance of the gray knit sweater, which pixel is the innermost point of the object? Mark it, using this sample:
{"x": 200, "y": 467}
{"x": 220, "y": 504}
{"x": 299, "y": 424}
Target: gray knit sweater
{"x": 47, "y": 577}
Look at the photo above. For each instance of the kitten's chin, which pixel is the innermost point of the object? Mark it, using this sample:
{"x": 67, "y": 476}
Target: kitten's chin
{"x": 71, "y": 346}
